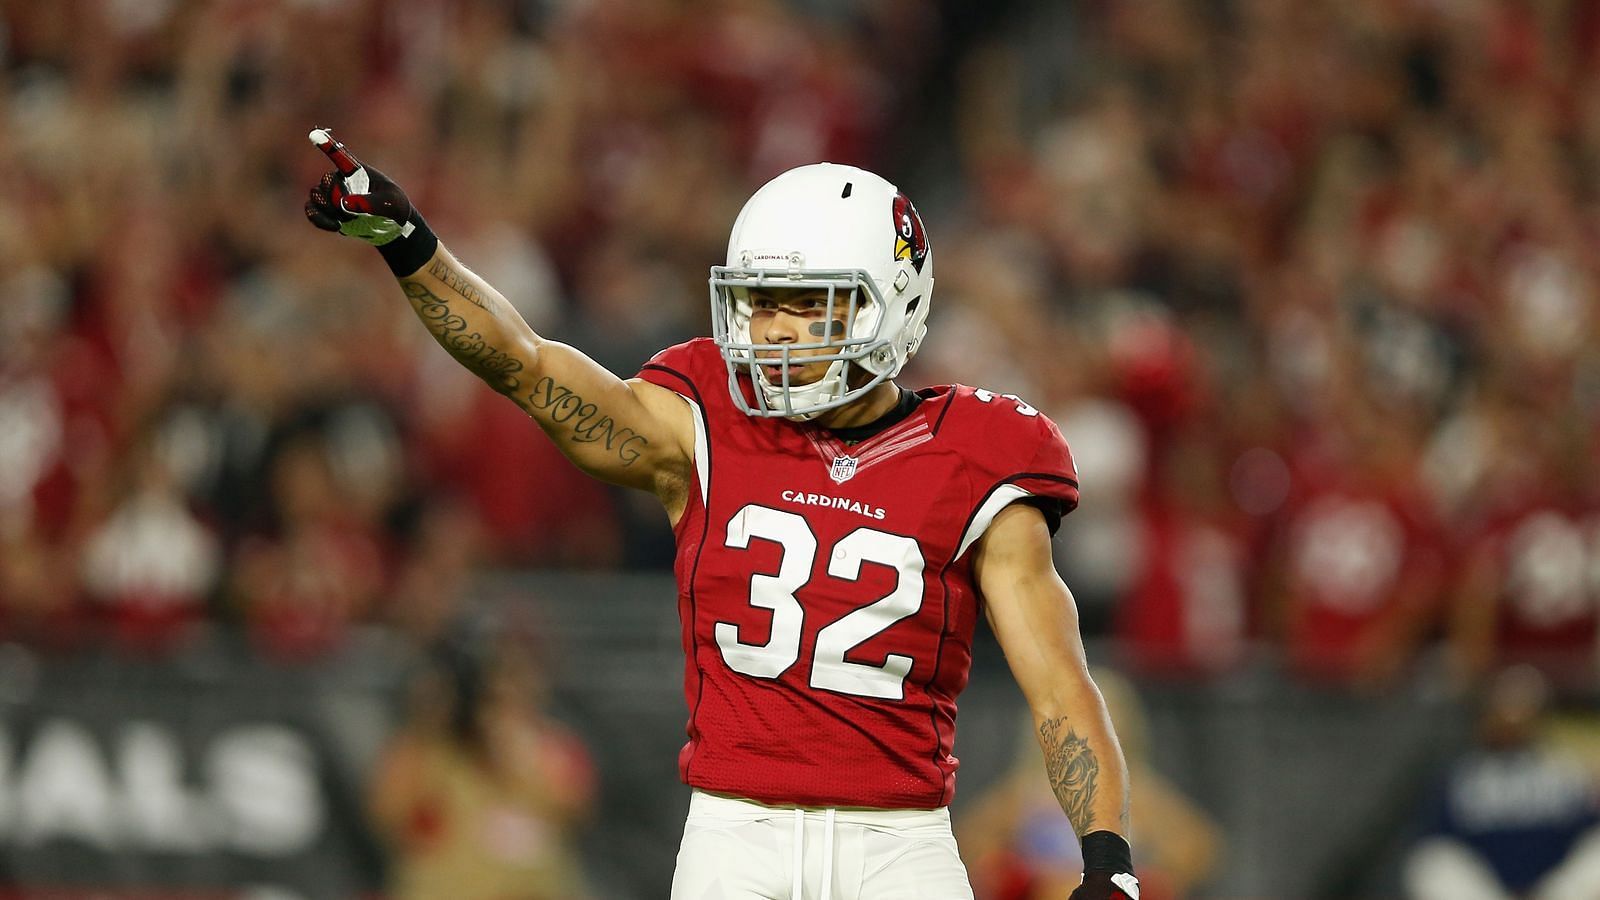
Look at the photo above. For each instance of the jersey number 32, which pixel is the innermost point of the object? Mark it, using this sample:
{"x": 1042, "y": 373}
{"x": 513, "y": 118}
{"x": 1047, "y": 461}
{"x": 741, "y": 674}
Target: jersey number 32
{"x": 829, "y": 669}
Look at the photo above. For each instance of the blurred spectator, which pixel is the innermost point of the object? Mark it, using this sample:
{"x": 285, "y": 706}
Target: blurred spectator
{"x": 439, "y": 560}
{"x": 1514, "y": 817}
{"x": 480, "y": 794}
{"x": 1357, "y": 571}
{"x": 52, "y": 445}
{"x": 1019, "y": 846}
{"x": 1529, "y": 591}
{"x": 1188, "y": 610}
{"x": 151, "y": 563}
{"x": 301, "y": 583}
{"x": 39, "y": 602}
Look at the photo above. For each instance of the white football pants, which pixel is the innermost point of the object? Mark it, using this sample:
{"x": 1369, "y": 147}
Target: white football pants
{"x": 742, "y": 850}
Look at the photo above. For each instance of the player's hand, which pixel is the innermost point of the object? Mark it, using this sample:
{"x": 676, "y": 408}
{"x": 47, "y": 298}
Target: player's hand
{"x": 356, "y": 199}
{"x": 1107, "y": 886}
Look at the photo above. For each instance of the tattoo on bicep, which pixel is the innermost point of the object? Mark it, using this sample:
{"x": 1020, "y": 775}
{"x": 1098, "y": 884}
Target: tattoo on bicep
{"x": 1073, "y": 771}
{"x": 584, "y": 420}
{"x": 469, "y": 348}
{"x": 456, "y": 280}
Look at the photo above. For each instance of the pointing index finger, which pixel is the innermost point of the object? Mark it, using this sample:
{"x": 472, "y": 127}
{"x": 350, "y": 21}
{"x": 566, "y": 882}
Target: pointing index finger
{"x": 343, "y": 159}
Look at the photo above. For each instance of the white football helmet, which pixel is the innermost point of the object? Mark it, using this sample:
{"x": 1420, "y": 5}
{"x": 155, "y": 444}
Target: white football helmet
{"x": 838, "y": 228}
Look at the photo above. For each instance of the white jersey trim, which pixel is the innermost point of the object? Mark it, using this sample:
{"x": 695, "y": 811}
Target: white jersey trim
{"x": 1003, "y": 496}
{"x": 702, "y": 452}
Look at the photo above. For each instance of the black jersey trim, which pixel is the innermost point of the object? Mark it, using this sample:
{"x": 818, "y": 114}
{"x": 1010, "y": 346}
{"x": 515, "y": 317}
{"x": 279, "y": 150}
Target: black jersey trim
{"x": 675, "y": 374}
{"x": 1054, "y": 508}
{"x": 694, "y": 568}
{"x": 950, "y": 400}
{"x": 945, "y": 781}
{"x": 1042, "y": 476}
{"x": 904, "y": 406}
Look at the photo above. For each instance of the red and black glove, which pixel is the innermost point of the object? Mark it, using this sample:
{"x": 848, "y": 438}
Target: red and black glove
{"x": 1107, "y": 869}
{"x": 359, "y": 201}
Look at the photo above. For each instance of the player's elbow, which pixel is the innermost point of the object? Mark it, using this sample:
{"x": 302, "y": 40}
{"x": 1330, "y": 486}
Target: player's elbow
{"x": 1067, "y": 691}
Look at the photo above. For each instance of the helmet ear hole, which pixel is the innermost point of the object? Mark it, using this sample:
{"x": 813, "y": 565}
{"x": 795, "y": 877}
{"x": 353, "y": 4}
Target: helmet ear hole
{"x": 912, "y": 306}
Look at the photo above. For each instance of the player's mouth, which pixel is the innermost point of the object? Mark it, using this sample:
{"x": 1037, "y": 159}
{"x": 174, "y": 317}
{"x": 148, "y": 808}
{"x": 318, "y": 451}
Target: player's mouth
{"x": 775, "y": 373}
{"x": 774, "y": 370}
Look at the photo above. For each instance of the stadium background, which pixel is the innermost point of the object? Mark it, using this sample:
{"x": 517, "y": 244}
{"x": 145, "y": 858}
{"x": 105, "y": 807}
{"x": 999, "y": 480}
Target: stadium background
{"x": 1310, "y": 288}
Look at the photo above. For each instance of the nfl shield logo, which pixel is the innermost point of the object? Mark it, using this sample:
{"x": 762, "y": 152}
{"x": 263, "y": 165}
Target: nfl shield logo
{"x": 844, "y": 468}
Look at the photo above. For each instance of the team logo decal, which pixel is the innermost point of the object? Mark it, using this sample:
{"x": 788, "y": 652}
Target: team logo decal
{"x": 843, "y": 469}
{"x": 910, "y": 241}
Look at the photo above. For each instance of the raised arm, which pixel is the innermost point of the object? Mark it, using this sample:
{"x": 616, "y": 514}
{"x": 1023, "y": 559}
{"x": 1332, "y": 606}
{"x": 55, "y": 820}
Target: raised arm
{"x": 630, "y": 433}
{"x": 1034, "y": 617}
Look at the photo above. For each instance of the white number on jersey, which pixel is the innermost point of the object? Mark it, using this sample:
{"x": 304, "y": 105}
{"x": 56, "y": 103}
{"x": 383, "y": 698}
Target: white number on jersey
{"x": 988, "y": 397}
{"x": 774, "y": 592}
{"x": 829, "y": 669}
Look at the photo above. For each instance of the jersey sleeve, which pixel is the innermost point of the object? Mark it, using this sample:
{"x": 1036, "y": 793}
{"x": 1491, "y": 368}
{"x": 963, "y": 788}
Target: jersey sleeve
{"x": 1029, "y": 463}
{"x": 684, "y": 369}
{"x": 1051, "y": 473}
{"x": 694, "y": 371}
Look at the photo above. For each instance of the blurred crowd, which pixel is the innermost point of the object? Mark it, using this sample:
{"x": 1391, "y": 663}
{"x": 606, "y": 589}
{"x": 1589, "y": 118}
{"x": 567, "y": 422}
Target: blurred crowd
{"x": 214, "y": 412}
{"x": 1310, "y": 287}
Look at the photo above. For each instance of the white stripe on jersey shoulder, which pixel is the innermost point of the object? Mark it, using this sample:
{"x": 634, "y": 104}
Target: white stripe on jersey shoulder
{"x": 702, "y": 450}
{"x": 1003, "y": 496}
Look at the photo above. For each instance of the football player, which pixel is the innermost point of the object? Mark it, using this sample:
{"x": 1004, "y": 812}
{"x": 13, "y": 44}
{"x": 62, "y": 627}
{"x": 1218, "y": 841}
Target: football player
{"x": 838, "y": 537}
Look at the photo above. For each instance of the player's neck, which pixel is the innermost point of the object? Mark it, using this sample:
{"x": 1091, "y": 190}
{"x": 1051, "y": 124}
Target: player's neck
{"x": 878, "y": 402}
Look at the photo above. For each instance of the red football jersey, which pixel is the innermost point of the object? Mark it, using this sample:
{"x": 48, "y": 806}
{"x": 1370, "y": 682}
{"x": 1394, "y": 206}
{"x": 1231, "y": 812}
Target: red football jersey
{"x": 826, "y": 591}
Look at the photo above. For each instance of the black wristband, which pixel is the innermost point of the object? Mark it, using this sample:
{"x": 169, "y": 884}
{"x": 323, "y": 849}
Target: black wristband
{"x": 1106, "y": 851}
{"x": 405, "y": 255}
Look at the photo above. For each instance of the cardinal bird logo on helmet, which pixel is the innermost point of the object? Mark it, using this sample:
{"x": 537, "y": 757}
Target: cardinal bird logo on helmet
{"x": 910, "y": 241}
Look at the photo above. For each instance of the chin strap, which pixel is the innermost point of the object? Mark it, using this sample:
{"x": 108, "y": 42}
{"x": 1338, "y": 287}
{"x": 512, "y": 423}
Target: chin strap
{"x": 804, "y": 394}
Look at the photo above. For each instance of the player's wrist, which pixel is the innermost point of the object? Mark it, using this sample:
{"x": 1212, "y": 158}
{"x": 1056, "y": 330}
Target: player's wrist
{"x": 412, "y": 249}
{"x": 1106, "y": 851}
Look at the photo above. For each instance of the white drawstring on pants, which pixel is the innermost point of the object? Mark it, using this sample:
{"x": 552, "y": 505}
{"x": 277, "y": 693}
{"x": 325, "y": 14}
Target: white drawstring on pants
{"x": 827, "y": 855}
{"x": 800, "y": 857}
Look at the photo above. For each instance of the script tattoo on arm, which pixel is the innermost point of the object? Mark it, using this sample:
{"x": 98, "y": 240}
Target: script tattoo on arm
{"x": 1073, "y": 771}
{"x": 454, "y": 280}
{"x": 552, "y": 404}
{"x": 468, "y": 347}
{"x": 588, "y": 425}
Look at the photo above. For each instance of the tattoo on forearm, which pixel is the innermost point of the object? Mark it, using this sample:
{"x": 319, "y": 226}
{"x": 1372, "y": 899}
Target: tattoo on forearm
{"x": 456, "y": 280}
{"x": 1073, "y": 771}
{"x": 585, "y": 422}
{"x": 588, "y": 424}
{"x": 469, "y": 348}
